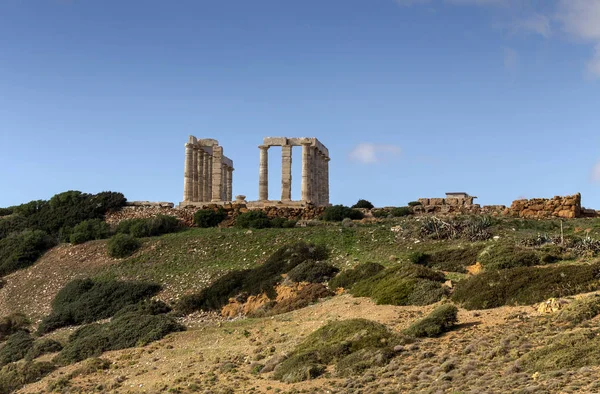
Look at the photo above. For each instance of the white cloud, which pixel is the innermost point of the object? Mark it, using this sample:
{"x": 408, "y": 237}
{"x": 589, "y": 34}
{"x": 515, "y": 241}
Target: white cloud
{"x": 581, "y": 19}
{"x": 511, "y": 59}
{"x": 596, "y": 173}
{"x": 538, "y": 24}
{"x": 368, "y": 153}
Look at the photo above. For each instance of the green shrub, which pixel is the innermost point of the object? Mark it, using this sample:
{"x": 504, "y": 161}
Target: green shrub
{"x": 453, "y": 260}
{"x": 347, "y": 278}
{"x": 43, "y": 346}
{"x": 313, "y": 272}
{"x": 253, "y": 281}
{"x": 16, "y": 347}
{"x": 205, "y": 218}
{"x": 127, "y": 330}
{"x": 363, "y": 204}
{"x": 566, "y": 351}
{"x": 89, "y": 230}
{"x": 20, "y": 250}
{"x": 66, "y": 210}
{"x": 12, "y": 323}
{"x": 380, "y": 214}
{"x": 580, "y": 310}
{"x": 331, "y": 344}
{"x": 253, "y": 219}
{"x": 122, "y": 245}
{"x": 149, "y": 227}
{"x": 12, "y": 224}
{"x": 414, "y": 204}
{"x": 418, "y": 258}
{"x": 503, "y": 256}
{"x": 407, "y": 284}
{"x": 6, "y": 211}
{"x": 440, "y": 320}
{"x": 85, "y": 301}
{"x": 283, "y": 223}
{"x": 16, "y": 375}
{"x": 525, "y": 285}
{"x": 337, "y": 213}
{"x": 400, "y": 212}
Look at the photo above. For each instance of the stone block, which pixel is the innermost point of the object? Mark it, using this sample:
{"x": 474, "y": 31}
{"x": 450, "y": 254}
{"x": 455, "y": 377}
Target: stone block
{"x": 436, "y": 201}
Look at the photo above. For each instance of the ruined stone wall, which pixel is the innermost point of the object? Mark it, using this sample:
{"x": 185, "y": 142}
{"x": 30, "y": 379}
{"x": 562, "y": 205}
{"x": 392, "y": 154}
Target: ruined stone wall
{"x": 538, "y": 208}
{"x": 140, "y": 210}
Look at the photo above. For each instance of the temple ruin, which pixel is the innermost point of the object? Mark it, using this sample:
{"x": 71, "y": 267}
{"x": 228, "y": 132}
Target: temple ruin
{"x": 208, "y": 173}
{"x": 315, "y": 170}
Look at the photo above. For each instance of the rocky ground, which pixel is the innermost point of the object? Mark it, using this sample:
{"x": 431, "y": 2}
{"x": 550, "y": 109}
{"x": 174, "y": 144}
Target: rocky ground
{"x": 481, "y": 355}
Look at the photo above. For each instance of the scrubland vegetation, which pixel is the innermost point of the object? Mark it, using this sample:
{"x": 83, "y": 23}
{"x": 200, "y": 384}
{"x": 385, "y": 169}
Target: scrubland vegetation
{"x": 425, "y": 287}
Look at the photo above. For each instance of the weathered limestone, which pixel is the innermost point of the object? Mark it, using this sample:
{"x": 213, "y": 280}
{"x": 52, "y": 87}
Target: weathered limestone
{"x": 315, "y": 176}
{"x": 263, "y": 173}
{"x": 229, "y": 183}
{"x": 188, "y": 182}
{"x": 208, "y": 173}
{"x": 286, "y": 173}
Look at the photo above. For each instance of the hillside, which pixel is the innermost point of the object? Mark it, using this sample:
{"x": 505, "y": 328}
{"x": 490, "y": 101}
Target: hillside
{"x": 487, "y": 351}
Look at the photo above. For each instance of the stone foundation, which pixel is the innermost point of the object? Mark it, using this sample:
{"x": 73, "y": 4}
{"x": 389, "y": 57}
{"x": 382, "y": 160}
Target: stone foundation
{"x": 139, "y": 210}
{"x": 538, "y": 208}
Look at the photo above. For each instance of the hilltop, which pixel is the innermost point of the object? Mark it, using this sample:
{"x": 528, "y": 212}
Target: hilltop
{"x": 496, "y": 270}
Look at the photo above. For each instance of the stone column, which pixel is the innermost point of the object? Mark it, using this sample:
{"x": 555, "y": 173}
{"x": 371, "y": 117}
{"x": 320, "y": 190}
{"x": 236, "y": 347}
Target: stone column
{"x": 263, "y": 173}
{"x": 217, "y": 173}
{"x": 223, "y": 182}
{"x": 195, "y": 174}
{"x": 313, "y": 175}
{"x": 286, "y": 173}
{"x": 306, "y": 179}
{"x": 187, "y": 173}
{"x": 230, "y": 184}
{"x": 210, "y": 176}
{"x": 200, "y": 174}
{"x": 319, "y": 171}
{"x": 206, "y": 177}
{"x": 326, "y": 180}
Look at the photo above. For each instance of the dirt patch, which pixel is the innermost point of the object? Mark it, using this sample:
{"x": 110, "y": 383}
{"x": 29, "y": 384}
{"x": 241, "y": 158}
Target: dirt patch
{"x": 31, "y": 290}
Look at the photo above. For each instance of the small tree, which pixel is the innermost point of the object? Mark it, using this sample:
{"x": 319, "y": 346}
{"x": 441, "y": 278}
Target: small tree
{"x": 337, "y": 213}
{"x": 122, "y": 245}
{"x": 209, "y": 218}
{"x": 363, "y": 204}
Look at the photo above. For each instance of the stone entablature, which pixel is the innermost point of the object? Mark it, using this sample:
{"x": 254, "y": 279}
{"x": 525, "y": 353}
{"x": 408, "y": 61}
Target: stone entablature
{"x": 208, "y": 173}
{"x": 315, "y": 171}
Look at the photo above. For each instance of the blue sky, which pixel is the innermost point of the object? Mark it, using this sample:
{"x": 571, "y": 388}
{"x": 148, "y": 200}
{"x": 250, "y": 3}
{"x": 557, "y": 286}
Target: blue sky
{"x": 413, "y": 98}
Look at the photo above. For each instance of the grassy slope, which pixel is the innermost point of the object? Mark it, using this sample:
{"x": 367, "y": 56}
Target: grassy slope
{"x": 186, "y": 261}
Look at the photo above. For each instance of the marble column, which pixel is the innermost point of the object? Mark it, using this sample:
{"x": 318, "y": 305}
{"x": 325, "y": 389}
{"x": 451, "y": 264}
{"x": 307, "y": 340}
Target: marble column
{"x": 230, "y": 184}
{"x": 195, "y": 174}
{"x": 326, "y": 180}
{"x": 313, "y": 174}
{"x": 187, "y": 173}
{"x": 305, "y": 189}
{"x": 223, "y": 182}
{"x": 286, "y": 173}
{"x": 319, "y": 171}
{"x": 263, "y": 173}
{"x": 210, "y": 176}
{"x": 217, "y": 173}
{"x": 201, "y": 174}
{"x": 206, "y": 177}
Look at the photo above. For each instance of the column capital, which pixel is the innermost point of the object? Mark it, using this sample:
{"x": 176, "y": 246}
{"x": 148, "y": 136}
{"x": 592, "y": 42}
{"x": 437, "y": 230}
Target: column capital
{"x": 264, "y": 147}
{"x": 189, "y": 145}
